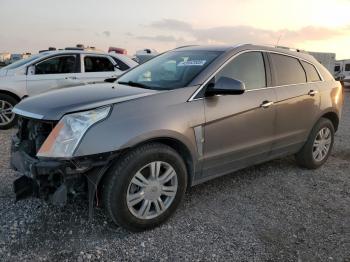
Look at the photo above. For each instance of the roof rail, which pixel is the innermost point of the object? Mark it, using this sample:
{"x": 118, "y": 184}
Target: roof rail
{"x": 74, "y": 48}
{"x": 184, "y": 46}
{"x": 292, "y": 49}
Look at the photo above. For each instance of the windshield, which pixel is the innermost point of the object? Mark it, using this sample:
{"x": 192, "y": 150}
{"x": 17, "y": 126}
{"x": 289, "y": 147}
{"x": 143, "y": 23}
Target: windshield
{"x": 22, "y": 62}
{"x": 171, "y": 70}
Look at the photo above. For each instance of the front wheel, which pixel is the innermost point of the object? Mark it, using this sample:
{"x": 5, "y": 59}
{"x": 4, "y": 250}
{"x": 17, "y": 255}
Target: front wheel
{"x": 7, "y": 118}
{"x": 319, "y": 145}
{"x": 145, "y": 187}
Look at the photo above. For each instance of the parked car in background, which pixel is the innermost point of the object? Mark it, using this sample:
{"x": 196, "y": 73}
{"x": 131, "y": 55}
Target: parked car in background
{"x": 186, "y": 116}
{"x": 142, "y": 56}
{"x": 51, "y": 70}
{"x": 342, "y": 71}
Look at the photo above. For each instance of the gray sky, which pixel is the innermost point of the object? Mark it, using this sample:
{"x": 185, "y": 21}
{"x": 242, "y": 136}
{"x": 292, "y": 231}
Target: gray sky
{"x": 317, "y": 25}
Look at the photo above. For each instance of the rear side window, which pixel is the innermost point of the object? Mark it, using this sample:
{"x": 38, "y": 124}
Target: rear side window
{"x": 57, "y": 65}
{"x": 311, "y": 72}
{"x": 288, "y": 70}
{"x": 347, "y": 67}
{"x": 97, "y": 64}
{"x": 248, "y": 68}
{"x": 120, "y": 65}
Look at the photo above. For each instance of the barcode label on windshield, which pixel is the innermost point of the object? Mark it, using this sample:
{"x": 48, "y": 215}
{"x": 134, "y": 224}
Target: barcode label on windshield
{"x": 192, "y": 63}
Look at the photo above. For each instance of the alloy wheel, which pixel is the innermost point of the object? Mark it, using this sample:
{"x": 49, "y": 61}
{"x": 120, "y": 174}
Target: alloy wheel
{"x": 6, "y": 114}
{"x": 152, "y": 190}
{"x": 322, "y": 144}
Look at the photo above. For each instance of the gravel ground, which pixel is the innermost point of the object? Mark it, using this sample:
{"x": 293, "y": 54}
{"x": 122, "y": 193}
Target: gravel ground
{"x": 271, "y": 212}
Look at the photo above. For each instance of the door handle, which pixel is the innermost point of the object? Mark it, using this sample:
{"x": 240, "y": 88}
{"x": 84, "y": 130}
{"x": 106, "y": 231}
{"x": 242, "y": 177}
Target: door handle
{"x": 266, "y": 104}
{"x": 312, "y": 92}
{"x": 71, "y": 78}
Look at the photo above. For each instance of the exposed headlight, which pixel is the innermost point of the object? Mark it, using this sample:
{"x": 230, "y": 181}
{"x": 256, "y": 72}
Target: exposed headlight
{"x": 65, "y": 137}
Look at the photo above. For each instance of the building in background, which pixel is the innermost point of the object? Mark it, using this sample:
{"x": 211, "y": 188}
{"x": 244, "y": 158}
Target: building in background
{"x": 326, "y": 59}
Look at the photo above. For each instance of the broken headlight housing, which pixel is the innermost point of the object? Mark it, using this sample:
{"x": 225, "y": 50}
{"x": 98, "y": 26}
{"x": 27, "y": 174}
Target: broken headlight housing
{"x": 65, "y": 137}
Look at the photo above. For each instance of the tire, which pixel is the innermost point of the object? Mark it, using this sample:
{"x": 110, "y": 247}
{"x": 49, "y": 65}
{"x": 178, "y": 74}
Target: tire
{"x": 7, "y": 119}
{"x": 306, "y": 156}
{"x": 119, "y": 187}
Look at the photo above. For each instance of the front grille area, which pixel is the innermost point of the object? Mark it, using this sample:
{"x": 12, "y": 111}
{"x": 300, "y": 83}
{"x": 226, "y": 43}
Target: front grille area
{"x": 32, "y": 134}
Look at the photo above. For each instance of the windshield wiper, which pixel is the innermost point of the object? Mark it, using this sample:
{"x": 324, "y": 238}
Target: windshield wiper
{"x": 136, "y": 84}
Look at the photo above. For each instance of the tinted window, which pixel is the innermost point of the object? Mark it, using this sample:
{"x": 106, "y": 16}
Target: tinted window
{"x": 311, "y": 72}
{"x": 288, "y": 70}
{"x": 97, "y": 64}
{"x": 120, "y": 65}
{"x": 57, "y": 65}
{"x": 248, "y": 68}
{"x": 337, "y": 68}
{"x": 171, "y": 70}
{"x": 347, "y": 67}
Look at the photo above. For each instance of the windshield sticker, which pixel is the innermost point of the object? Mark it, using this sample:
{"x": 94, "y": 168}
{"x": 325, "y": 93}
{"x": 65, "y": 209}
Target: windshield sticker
{"x": 192, "y": 63}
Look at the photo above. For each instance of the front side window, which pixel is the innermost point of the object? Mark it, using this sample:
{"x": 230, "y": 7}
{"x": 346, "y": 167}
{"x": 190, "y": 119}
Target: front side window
{"x": 311, "y": 72}
{"x": 288, "y": 70}
{"x": 97, "y": 64}
{"x": 170, "y": 70}
{"x": 249, "y": 68}
{"x": 120, "y": 65}
{"x": 337, "y": 68}
{"x": 347, "y": 67}
{"x": 57, "y": 65}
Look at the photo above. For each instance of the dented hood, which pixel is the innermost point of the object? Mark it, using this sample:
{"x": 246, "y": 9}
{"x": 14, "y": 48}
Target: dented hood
{"x": 53, "y": 105}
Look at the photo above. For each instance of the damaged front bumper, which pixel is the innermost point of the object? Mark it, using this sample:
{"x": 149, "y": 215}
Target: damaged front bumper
{"x": 57, "y": 180}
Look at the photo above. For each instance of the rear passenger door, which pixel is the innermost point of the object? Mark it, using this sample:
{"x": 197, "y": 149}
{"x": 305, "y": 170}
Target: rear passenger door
{"x": 239, "y": 129}
{"x": 297, "y": 102}
{"x": 97, "y": 68}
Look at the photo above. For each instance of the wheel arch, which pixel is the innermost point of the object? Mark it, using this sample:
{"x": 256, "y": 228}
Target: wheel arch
{"x": 333, "y": 117}
{"x": 175, "y": 144}
{"x": 13, "y": 95}
{"x": 180, "y": 148}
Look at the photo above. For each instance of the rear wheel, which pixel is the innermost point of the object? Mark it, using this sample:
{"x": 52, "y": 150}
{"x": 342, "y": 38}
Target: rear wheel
{"x": 319, "y": 145}
{"x": 7, "y": 118}
{"x": 145, "y": 187}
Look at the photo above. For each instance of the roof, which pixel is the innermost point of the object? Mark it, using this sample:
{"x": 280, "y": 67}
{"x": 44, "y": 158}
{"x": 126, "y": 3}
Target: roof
{"x": 72, "y": 51}
{"x": 225, "y": 48}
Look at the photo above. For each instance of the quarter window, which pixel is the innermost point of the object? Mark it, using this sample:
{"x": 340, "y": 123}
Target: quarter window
{"x": 97, "y": 64}
{"x": 248, "y": 68}
{"x": 311, "y": 72}
{"x": 288, "y": 70}
{"x": 57, "y": 65}
{"x": 347, "y": 67}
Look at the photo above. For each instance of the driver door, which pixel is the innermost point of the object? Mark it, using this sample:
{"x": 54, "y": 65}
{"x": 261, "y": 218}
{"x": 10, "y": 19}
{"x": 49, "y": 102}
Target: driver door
{"x": 239, "y": 129}
{"x": 53, "y": 73}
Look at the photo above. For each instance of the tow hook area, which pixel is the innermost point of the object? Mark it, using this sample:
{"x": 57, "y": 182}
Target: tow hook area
{"x": 25, "y": 187}
{"x": 59, "y": 198}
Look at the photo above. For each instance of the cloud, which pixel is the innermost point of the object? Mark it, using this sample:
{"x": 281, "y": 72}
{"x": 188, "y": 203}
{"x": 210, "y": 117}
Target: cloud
{"x": 171, "y": 24}
{"x": 106, "y": 33}
{"x": 160, "y": 38}
{"x": 312, "y": 33}
{"x": 243, "y": 33}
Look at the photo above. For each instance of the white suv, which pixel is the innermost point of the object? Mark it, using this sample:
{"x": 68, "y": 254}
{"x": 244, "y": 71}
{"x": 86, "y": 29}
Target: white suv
{"x": 53, "y": 70}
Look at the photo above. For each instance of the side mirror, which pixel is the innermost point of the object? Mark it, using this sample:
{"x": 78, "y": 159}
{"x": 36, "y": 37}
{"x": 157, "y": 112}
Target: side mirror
{"x": 225, "y": 86}
{"x": 111, "y": 80}
{"x": 31, "y": 70}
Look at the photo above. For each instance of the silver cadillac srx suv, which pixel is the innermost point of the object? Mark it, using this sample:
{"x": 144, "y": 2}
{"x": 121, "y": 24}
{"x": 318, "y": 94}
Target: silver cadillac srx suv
{"x": 184, "y": 117}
